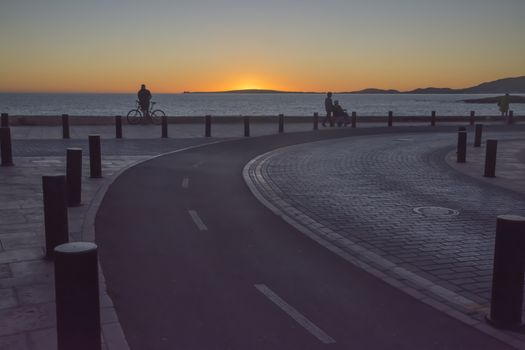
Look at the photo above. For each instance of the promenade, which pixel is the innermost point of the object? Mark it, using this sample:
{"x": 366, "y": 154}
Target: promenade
{"x": 353, "y": 191}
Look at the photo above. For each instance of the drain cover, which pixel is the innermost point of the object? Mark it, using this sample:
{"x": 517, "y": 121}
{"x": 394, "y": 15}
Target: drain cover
{"x": 436, "y": 211}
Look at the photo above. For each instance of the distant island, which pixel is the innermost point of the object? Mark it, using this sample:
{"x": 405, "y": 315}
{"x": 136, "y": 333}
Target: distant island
{"x": 501, "y": 86}
{"x": 512, "y": 99}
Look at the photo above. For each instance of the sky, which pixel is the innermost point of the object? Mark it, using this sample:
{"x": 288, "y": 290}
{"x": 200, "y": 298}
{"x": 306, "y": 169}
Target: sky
{"x": 292, "y": 45}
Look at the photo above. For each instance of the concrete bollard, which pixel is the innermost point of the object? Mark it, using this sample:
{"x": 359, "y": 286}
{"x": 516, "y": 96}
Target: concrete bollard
{"x": 462, "y": 145}
{"x": 390, "y": 118}
{"x": 74, "y": 176}
{"x": 77, "y": 296}
{"x": 472, "y": 117}
{"x": 164, "y": 127}
{"x": 354, "y": 120}
{"x": 55, "y": 212}
{"x": 490, "y": 158}
{"x": 207, "y": 126}
{"x": 5, "y": 120}
{"x": 281, "y": 123}
{"x": 316, "y": 121}
{"x": 95, "y": 158}
{"x": 6, "y": 149}
{"x": 510, "y": 118}
{"x": 246, "y": 121}
{"x": 477, "y": 136}
{"x": 65, "y": 126}
{"x": 507, "y": 278}
{"x": 118, "y": 126}
{"x": 433, "y": 119}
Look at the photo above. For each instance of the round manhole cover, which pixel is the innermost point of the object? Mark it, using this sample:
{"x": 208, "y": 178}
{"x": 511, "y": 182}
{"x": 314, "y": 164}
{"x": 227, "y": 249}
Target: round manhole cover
{"x": 436, "y": 211}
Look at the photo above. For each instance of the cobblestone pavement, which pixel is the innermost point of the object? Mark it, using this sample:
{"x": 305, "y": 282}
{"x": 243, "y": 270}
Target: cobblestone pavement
{"x": 360, "y": 194}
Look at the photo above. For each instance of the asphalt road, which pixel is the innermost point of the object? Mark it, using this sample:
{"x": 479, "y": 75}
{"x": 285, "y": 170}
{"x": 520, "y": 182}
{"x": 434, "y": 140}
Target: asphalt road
{"x": 193, "y": 261}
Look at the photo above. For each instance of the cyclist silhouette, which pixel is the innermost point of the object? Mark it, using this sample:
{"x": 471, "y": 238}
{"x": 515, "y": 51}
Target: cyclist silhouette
{"x": 144, "y": 96}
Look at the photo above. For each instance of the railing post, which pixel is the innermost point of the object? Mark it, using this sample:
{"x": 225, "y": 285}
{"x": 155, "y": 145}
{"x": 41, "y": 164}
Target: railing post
{"x": 472, "y": 117}
{"x": 5, "y": 146}
{"x": 316, "y": 121}
{"x": 281, "y": 123}
{"x": 164, "y": 127}
{"x": 118, "y": 127}
{"x": 77, "y": 296}
{"x": 477, "y": 136}
{"x": 207, "y": 126}
{"x": 354, "y": 120}
{"x": 510, "y": 118}
{"x": 65, "y": 126}
{"x": 95, "y": 158}
{"x": 507, "y": 278}
{"x": 74, "y": 176}
{"x": 246, "y": 120}
{"x": 390, "y": 118}
{"x": 55, "y": 212}
{"x": 5, "y": 120}
{"x": 462, "y": 145}
{"x": 490, "y": 158}
{"x": 433, "y": 119}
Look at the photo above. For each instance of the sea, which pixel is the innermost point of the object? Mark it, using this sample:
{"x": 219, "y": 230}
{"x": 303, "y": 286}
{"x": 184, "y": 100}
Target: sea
{"x": 234, "y": 104}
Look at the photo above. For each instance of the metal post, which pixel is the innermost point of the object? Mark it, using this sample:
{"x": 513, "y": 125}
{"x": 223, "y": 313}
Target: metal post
{"x": 5, "y": 146}
{"x": 477, "y": 137}
{"x": 118, "y": 127}
{"x": 507, "y": 279}
{"x": 316, "y": 121}
{"x": 74, "y": 176}
{"x": 472, "y": 117}
{"x": 510, "y": 118}
{"x": 281, "y": 123}
{"x": 490, "y": 158}
{"x": 462, "y": 145}
{"x": 77, "y": 296}
{"x": 207, "y": 127}
{"x": 65, "y": 126}
{"x": 55, "y": 212}
{"x": 5, "y": 120}
{"x": 354, "y": 119}
{"x": 164, "y": 127}
{"x": 390, "y": 118}
{"x": 433, "y": 119}
{"x": 95, "y": 158}
{"x": 246, "y": 120}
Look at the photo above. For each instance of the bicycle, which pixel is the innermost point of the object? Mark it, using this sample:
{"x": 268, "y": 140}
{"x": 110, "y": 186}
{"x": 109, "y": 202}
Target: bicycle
{"x": 135, "y": 116}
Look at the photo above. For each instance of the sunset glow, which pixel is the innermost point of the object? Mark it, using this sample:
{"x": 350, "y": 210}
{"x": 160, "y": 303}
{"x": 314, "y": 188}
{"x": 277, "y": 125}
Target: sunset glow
{"x": 307, "y": 45}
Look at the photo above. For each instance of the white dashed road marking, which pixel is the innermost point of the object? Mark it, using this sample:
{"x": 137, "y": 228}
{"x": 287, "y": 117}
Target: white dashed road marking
{"x": 185, "y": 182}
{"x": 197, "y": 220}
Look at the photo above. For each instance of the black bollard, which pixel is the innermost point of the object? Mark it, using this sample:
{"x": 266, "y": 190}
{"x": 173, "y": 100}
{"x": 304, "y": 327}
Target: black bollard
{"x": 354, "y": 119}
{"x": 390, "y": 118}
{"x": 207, "y": 126}
{"x": 5, "y": 146}
{"x": 77, "y": 296}
{"x": 246, "y": 121}
{"x": 472, "y": 117}
{"x": 316, "y": 121}
{"x": 118, "y": 127}
{"x": 5, "y": 120}
{"x": 281, "y": 123}
{"x": 74, "y": 176}
{"x": 55, "y": 212}
{"x": 164, "y": 127}
{"x": 490, "y": 158}
{"x": 510, "y": 118}
{"x": 95, "y": 158}
{"x": 433, "y": 119}
{"x": 65, "y": 126}
{"x": 462, "y": 145}
{"x": 507, "y": 278}
{"x": 477, "y": 136}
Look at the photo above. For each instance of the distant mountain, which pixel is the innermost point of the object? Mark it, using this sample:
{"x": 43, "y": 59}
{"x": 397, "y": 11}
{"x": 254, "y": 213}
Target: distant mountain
{"x": 375, "y": 91}
{"x": 501, "y": 86}
{"x": 432, "y": 90}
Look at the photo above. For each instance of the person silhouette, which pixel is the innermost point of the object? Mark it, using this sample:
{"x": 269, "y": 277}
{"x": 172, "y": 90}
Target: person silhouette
{"x": 144, "y": 96}
{"x": 329, "y": 107}
{"x": 504, "y": 105}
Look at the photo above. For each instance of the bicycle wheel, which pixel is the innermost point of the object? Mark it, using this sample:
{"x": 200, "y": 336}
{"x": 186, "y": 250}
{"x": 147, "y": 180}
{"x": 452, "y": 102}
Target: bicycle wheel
{"x": 156, "y": 116}
{"x": 134, "y": 116}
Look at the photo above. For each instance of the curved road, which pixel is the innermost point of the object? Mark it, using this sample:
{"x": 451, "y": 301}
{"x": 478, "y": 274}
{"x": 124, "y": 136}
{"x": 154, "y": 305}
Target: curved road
{"x": 193, "y": 261}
